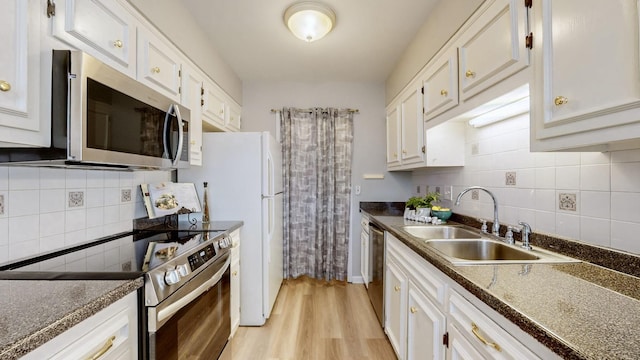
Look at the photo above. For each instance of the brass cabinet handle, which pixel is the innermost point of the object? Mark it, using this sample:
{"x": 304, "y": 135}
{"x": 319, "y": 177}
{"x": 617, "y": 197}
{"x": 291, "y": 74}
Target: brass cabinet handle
{"x": 396, "y": 288}
{"x": 413, "y": 310}
{"x": 444, "y": 92}
{"x": 118, "y": 43}
{"x": 560, "y": 100}
{"x": 395, "y": 155}
{"x": 107, "y": 345}
{"x": 476, "y": 331}
{"x": 404, "y": 151}
{"x": 4, "y": 86}
{"x": 235, "y": 273}
{"x": 470, "y": 73}
{"x": 155, "y": 70}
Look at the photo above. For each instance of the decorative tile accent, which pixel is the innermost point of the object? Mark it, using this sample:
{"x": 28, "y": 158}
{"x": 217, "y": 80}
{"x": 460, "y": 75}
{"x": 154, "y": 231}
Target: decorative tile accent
{"x": 510, "y": 178}
{"x": 567, "y": 201}
{"x": 76, "y": 199}
{"x": 475, "y": 195}
{"x": 125, "y": 195}
{"x": 475, "y": 149}
{"x": 1, "y": 204}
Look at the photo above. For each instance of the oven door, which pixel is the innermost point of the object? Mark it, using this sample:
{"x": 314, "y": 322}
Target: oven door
{"x": 194, "y": 322}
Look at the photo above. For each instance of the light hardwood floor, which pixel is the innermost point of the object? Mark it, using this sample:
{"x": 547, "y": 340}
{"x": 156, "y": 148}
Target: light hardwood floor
{"x": 314, "y": 320}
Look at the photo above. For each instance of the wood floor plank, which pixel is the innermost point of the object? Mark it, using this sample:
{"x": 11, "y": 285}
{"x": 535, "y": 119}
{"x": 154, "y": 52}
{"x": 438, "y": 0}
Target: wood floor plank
{"x": 315, "y": 320}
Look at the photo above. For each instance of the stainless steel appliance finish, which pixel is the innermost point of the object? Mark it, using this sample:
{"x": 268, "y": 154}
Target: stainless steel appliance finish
{"x": 101, "y": 117}
{"x": 376, "y": 264}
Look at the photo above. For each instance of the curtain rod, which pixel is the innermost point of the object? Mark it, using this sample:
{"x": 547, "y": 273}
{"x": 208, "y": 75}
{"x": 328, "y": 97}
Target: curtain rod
{"x": 309, "y": 110}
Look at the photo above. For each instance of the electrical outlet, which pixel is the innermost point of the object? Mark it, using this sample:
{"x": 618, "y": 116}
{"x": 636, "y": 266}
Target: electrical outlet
{"x": 358, "y": 189}
{"x": 475, "y": 194}
{"x": 510, "y": 178}
{"x": 1, "y": 204}
{"x": 439, "y": 189}
{"x": 418, "y": 189}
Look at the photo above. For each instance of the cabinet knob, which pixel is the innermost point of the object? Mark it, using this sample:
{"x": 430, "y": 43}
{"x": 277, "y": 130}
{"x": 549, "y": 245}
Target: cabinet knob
{"x": 235, "y": 273}
{"x": 470, "y": 73}
{"x": 396, "y": 288}
{"x": 444, "y": 92}
{"x": 476, "y": 331}
{"x": 155, "y": 70}
{"x": 4, "y": 86}
{"x": 413, "y": 310}
{"x": 193, "y": 142}
{"x": 118, "y": 43}
{"x": 404, "y": 152}
{"x": 560, "y": 100}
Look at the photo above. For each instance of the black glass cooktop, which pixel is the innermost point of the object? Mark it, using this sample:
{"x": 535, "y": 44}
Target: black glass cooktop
{"x": 113, "y": 258}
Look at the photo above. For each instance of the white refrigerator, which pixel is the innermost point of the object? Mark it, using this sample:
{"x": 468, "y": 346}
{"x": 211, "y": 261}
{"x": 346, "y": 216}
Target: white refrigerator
{"x": 244, "y": 175}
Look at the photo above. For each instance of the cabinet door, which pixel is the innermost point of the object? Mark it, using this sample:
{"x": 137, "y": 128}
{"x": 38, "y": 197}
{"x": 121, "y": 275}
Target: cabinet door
{"x": 190, "y": 97}
{"x": 234, "y": 120}
{"x": 364, "y": 257}
{"x": 396, "y": 308}
{"x": 460, "y": 348}
{"x": 393, "y": 137}
{"x": 493, "y": 47}
{"x": 158, "y": 64}
{"x": 235, "y": 281}
{"x": 586, "y": 73}
{"x": 425, "y": 327}
{"x": 440, "y": 84}
{"x": 102, "y": 28}
{"x": 20, "y": 123}
{"x": 411, "y": 127}
{"x": 213, "y": 104}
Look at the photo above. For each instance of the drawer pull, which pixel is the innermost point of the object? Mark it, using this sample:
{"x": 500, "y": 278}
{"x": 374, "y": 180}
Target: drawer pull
{"x": 107, "y": 345}
{"x": 396, "y": 288}
{"x": 470, "y": 73}
{"x": 413, "y": 310}
{"x": 444, "y": 92}
{"x": 4, "y": 86}
{"x": 560, "y": 100}
{"x": 118, "y": 44}
{"x": 155, "y": 70}
{"x": 476, "y": 331}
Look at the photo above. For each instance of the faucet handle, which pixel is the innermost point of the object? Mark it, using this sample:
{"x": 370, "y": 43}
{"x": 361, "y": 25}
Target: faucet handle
{"x": 526, "y": 231}
{"x": 508, "y": 237}
{"x": 483, "y": 228}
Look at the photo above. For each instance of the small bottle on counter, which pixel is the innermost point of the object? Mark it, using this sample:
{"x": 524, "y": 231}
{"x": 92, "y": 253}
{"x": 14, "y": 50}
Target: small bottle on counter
{"x": 205, "y": 205}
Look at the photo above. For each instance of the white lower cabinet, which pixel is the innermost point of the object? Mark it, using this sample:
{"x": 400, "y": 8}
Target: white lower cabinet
{"x": 110, "y": 334}
{"x": 235, "y": 281}
{"x": 429, "y": 316}
{"x": 365, "y": 251}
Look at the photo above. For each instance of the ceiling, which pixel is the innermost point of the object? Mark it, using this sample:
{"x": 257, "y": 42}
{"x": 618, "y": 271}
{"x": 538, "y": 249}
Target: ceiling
{"x": 365, "y": 44}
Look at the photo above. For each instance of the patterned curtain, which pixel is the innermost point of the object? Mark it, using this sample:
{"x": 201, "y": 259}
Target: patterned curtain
{"x": 316, "y": 146}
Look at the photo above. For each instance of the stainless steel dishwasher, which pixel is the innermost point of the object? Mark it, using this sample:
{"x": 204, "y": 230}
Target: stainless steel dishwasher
{"x": 376, "y": 266}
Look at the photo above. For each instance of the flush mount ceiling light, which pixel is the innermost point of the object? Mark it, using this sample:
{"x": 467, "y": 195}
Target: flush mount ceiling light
{"x": 309, "y": 21}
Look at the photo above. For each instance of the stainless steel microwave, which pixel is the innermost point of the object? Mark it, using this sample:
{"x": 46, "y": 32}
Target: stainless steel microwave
{"x": 101, "y": 117}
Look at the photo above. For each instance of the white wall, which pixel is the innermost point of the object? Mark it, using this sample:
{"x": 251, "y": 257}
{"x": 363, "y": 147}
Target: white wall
{"x": 606, "y": 186}
{"x": 38, "y": 215}
{"x": 369, "y": 149}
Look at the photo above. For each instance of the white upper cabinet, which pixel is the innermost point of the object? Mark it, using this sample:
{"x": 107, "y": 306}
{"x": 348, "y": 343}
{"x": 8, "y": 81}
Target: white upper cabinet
{"x": 213, "y": 104}
{"x": 20, "y": 119}
{"x": 440, "y": 84}
{"x": 158, "y": 64}
{"x": 191, "y": 86}
{"x": 235, "y": 116}
{"x": 393, "y": 136}
{"x": 411, "y": 127}
{"x": 585, "y": 93}
{"x": 493, "y": 47}
{"x": 104, "y": 29}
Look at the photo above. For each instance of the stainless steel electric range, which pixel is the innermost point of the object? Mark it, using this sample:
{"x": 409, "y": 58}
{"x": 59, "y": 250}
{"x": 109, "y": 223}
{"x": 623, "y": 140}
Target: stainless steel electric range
{"x": 185, "y": 305}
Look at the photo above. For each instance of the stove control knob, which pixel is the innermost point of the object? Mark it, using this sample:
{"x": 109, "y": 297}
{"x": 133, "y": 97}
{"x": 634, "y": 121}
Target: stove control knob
{"x": 172, "y": 277}
{"x": 183, "y": 270}
{"x": 224, "y": 243}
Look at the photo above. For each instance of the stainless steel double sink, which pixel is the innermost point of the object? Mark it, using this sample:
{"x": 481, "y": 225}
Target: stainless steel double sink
{"x": 463, "y": 246}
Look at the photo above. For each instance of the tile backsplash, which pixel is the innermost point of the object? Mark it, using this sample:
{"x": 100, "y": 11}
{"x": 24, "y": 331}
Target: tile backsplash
{"x": 591, "y": 197}
{"x": 43, "y": 209}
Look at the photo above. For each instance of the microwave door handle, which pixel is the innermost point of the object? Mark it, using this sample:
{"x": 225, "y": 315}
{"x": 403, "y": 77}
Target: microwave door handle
{"x": 176, "y": 108}
{"x": 166, "y": 134}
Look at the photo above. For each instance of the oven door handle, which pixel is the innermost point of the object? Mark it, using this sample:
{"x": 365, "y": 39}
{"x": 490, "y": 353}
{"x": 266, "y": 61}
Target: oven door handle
{"x": 170, "y": 310}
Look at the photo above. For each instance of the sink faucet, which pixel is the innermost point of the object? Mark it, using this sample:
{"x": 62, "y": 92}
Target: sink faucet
{"x": 495, "y": 229}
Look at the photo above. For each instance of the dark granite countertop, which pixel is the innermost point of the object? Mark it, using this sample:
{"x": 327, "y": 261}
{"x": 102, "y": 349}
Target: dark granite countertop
{"x": 578, "y": 310}
{"x": 33, "y": 312}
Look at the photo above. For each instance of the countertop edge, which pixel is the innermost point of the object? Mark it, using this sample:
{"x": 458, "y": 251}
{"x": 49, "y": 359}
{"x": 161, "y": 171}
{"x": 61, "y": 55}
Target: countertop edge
{"x": 30, "y": 342}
